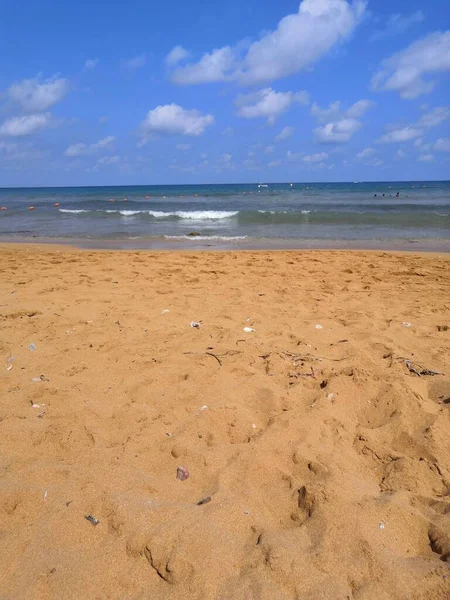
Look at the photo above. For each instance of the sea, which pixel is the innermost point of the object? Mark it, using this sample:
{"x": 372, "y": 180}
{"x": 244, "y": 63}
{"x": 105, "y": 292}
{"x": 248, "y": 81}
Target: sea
{"x": 397, "y": 215}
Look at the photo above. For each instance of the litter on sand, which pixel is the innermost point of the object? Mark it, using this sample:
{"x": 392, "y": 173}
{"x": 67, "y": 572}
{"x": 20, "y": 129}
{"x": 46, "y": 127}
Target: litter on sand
{"x": 382, "y": 525}
{"x": 202, "y": 408}
{"x": 248, "y": 329}
{"x": 204, "y": 501}
{"x": 165, "y": 311}
{"x": 11, "y": 359}
{"x": 195, "y": 324}
{"x": 32, "y": 347}
{"x": 182, "y": 473}
{"x": 9, "y": 367}
{"x": 92, "y": 519}
{"x": 318, "y": 326}
{"x": 406, "y": 324}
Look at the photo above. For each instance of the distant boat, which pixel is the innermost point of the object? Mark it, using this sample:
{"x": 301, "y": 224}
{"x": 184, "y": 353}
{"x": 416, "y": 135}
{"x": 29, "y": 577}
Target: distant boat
{"x": 262, "y": 185}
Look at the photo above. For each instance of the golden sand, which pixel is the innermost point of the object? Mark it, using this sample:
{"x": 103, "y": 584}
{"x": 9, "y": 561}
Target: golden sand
{"x": 321, "y": 456}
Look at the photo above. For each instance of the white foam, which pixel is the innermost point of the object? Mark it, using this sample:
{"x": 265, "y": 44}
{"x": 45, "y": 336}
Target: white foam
{"x": 193, "y": 238}
{"x": 67, "y": 210}
{"x": 197, "y": 215}
{"x": 130, "y": 213}
{"x": 305, "y": 212}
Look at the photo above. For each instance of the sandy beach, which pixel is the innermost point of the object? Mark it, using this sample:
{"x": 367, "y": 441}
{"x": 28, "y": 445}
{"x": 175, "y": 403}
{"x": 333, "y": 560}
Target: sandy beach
{"x": 316, "y": 441}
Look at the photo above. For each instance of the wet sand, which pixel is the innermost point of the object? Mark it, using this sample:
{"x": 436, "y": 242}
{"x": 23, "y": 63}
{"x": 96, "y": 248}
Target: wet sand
{"x": 318, "y": 457}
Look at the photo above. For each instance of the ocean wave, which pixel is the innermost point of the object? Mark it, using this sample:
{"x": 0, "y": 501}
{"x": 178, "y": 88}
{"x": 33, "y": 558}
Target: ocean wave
{"x": 197, "y": 215}
{"x": 193, "y": 238}
{"x": 67, "y": 210}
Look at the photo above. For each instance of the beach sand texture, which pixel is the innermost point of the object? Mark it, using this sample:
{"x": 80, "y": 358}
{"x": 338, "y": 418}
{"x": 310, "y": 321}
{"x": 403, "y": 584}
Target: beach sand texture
{"x": 326, "y": 460}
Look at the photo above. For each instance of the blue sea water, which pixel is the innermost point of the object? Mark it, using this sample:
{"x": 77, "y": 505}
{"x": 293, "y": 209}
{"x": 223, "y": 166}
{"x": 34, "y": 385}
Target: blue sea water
{"x": 246, "y": 215}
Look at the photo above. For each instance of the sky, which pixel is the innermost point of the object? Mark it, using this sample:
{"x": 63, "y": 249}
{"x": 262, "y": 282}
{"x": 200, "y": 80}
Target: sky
{"x": 115, "y": 93}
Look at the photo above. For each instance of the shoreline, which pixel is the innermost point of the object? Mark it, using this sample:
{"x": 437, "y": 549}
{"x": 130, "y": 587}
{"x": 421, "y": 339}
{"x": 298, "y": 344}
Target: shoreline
{"x": 252, "y": 244}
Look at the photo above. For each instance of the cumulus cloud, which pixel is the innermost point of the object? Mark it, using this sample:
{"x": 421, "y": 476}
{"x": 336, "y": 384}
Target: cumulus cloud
{"x": 400, "y": 154}
{"x": 366, "y": 153}
{"x": 215, "y": 66}
{"x": 397, "y": 24}
{"x": 176, "y": 55}
{"x": 315, "y": 158}
{"x": 334, "y": 112}
{"x": 294, "y": 156}
{"x": 426, "y": 158}
{"x": 134, "y": 63}
{"x": 407, "y": 72}
{"x": 299, "y": 40}
{"x": 91, "y": 63}
{"x": 340, "y": 124}
{"x": 338, "y": 131}
{"x": 285, "y": 134}
{"x": 267, "y": 103}
{"x": 109, "y": 160}
{"x": 415, "y": 131}
{"x": 27, "y": 125}
{"x": 274, "y": 163}
{"x": 35, "y": 95}
{"x": 183, "y": 146}
{"x": 172, "y": 119}
{"x": 435, "y": 116}
{"x": 81, "y": 148}
{"x": 442, "y": 145}
{"x": 402, "y": 134}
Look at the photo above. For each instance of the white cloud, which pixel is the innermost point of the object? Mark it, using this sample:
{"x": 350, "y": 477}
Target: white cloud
{"x": 285, "y": 134}
{"x": 415, "y": 131}
{"x": 91, "y": 63}
{"x": 172, "y": 119}
{"x": 81, "y": 148}
{"x": 397, "y": 24}
{"x": 366, "y": 153}
{"x": 442, "y": 145}
{"x": 134, "y": 63}
{"x": 109, "y": 160}
{"x": 21, "y": 126}
{"x": 176, "y": 55}
{"x": 406, "y": 71}
{"x": 267, "y": 103}
{"x": 401, "y": 134}
{"x": 315, "y": 158}
{"x": 216, "y": 66}
{"x": 400, "y": 154}
{"x": 338, "y": 131}
{"x": 294, "y": 156}
{"x": 183, "y": 146}
{"x": 36, "y": 96}
{"x": 359, "y": 109}
{"x": 334, "y": 112}
{"x": 426, "y": 158}
{"x": 274, "y": 163}
{"x": 269, "y": 149}
{"x": 299, "y": 40}
{"x": 435, "y": 116}
{"x": 342, "y": 124}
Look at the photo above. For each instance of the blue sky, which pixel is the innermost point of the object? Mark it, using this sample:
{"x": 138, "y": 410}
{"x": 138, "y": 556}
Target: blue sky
{"x": 105, "y": 93}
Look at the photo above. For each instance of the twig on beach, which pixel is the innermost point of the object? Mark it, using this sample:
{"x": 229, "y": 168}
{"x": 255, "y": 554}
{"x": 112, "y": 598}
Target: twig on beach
{"x": 305, "y": 357}
{"x": 416, "y": 368}
{"x": 214, "y": 356}
{"x": 217, "y": 356}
